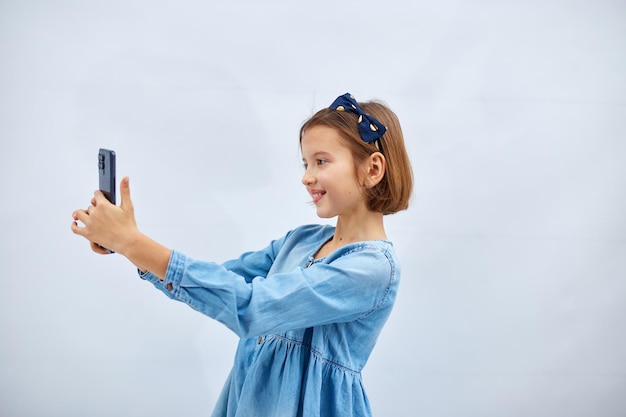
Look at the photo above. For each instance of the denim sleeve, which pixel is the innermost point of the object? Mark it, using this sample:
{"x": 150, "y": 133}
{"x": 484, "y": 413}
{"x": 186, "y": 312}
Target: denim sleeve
{"x": 248, "y": 266}
{"x": 256, "y": 264}
{"x": 345, "y": 288}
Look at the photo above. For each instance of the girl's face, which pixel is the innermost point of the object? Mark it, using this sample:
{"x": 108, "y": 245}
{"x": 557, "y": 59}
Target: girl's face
{"x": 329, "y": 176}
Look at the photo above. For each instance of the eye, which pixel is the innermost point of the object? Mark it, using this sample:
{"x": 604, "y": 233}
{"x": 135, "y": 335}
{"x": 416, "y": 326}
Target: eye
{"x": 321, "y": 161}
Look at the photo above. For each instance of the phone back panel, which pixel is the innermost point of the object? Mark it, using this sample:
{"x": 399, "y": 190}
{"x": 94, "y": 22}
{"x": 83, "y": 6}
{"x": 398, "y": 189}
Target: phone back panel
{"x": 106, "y": 173}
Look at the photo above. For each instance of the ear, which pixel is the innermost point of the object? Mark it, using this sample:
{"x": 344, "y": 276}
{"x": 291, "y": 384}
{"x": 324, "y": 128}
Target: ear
{"x": 375, "y": 167}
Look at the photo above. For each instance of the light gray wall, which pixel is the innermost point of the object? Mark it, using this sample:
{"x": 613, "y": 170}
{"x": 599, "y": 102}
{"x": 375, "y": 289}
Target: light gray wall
{"x": 513, "y": 300}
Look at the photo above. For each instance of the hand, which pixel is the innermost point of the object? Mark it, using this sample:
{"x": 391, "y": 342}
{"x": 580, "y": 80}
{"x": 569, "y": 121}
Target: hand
{"x": 106, "y": 225}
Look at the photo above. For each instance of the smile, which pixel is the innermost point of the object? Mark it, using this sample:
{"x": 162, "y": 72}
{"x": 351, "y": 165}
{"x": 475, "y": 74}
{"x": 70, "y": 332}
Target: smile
{"x": 317, "y": 196}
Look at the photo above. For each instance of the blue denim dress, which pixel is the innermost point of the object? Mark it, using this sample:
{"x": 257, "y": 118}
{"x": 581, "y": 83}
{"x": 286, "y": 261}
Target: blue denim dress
{"x": 306, "y": 326}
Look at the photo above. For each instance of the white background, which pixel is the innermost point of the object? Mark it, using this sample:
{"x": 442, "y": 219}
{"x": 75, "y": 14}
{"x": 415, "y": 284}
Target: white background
{"x": 513, "y": 295}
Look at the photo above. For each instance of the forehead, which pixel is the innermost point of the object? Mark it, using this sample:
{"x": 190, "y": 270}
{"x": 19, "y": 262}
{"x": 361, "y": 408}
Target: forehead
{"x": 318, "y": 139}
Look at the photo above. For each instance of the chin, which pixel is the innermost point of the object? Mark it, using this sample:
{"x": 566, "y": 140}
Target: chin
{"x": 323, "y": 215}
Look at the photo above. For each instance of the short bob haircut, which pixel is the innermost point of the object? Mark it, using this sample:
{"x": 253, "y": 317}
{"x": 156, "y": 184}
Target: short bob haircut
{"x": 393, "y": 192}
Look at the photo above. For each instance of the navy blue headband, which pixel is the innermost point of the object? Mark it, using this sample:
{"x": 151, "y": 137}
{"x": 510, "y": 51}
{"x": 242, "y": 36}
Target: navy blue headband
{"x": 370, "y": 129}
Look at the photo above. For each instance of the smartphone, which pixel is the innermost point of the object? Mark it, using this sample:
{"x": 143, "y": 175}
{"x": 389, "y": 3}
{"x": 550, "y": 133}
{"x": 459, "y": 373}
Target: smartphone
{"x": 106, "y": 173}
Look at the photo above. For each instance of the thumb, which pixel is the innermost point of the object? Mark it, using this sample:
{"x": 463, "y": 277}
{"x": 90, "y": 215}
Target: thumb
{"x": 126, "y": 202}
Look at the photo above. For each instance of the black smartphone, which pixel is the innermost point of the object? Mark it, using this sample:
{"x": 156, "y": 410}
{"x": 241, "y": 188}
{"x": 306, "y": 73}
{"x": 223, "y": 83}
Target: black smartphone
{"x": 106, "y": 173}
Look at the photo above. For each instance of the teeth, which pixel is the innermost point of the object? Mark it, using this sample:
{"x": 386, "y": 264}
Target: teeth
{"x": 317, "y": 195}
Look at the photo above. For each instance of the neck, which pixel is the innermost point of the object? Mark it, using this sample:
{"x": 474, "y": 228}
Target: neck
{"x": 363, "y": 226}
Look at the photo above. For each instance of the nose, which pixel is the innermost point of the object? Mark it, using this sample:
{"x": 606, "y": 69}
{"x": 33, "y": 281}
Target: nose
{"x": 307, "y": 178}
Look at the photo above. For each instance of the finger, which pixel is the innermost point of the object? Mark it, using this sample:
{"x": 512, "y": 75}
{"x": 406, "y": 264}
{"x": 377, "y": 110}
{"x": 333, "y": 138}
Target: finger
{"x": 96, "y": 195}
{"x": 125, "y": 194}
{"x": 80, "y": 214}
{"x": 99, "y": 198}
{"x": 83, "y": 217}
{"x": 81, "y": 231}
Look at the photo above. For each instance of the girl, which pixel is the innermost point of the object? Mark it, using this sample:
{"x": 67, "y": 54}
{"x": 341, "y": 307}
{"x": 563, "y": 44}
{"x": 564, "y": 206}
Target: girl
{"x": 309, "y": 307}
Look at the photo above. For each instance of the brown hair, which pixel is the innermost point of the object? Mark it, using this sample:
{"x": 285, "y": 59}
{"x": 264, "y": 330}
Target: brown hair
{"x": 393, "y": 192}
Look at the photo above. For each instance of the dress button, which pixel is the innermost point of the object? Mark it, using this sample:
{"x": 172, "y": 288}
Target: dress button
{"x": 259, "y": 340}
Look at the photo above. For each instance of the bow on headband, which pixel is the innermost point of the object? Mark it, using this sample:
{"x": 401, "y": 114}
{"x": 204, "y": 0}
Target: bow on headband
{"x": 370, "y": 129}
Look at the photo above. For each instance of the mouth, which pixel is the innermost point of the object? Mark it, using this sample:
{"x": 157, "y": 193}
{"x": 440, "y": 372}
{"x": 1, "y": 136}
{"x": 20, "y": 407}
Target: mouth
{"x": 317, "y": 195}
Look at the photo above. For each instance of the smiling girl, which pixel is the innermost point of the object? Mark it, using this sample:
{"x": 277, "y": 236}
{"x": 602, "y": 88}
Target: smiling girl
{"x": 309, "y": 307}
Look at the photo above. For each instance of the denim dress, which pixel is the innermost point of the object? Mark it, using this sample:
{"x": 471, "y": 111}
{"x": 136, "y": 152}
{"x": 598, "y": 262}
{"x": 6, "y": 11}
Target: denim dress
{"x": 306, "y": 326}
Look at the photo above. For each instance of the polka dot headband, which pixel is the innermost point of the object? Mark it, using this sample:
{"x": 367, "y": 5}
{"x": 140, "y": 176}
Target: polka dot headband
{"x": 370, "y": 129}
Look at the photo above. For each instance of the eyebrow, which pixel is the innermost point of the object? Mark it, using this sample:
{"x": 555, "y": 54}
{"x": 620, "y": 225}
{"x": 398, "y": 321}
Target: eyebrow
{"x": 318, "y": 154}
